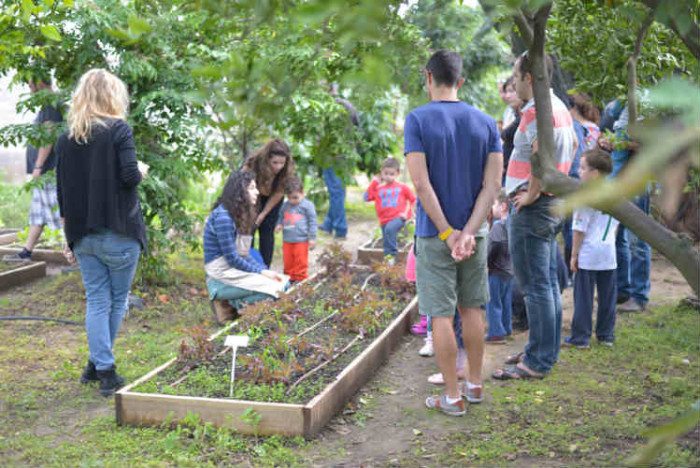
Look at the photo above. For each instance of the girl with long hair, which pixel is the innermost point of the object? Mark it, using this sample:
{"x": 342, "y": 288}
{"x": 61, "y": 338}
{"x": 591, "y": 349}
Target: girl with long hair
{"x": 235, "y": 274}
{"x": 272, "y": 165}
{"x": 97, "y": 175}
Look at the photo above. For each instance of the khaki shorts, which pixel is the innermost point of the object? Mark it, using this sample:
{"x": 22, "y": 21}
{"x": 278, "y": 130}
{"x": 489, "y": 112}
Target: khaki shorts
{"x": 444, "y": 284}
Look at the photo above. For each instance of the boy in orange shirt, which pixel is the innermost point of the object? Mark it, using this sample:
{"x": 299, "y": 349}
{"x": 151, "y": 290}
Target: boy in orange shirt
{"x": 393, "y": 202}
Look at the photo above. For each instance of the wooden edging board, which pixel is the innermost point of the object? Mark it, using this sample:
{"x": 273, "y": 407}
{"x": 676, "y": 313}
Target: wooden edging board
{"x": 148, "y": 409}
{"x": 22, "y": 274}
{"x": 8, "y": 236}
{"x": 367, "y": 254}
{"x": 42, "y": 255}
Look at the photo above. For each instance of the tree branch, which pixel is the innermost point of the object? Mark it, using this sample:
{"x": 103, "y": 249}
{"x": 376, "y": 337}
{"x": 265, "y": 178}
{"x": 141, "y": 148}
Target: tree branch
{"x": 632, "y": 67}
{"x": 524, "y": 28}
{"x": 691, "y": 38}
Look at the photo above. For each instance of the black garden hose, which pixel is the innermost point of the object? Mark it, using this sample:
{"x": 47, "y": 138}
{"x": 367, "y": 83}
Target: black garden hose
{"x": 38, "y": 317}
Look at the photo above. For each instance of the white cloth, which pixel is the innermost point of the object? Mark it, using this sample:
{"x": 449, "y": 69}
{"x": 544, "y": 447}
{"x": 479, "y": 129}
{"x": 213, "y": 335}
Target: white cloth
{"x": 599, "y": 232}
{"x": 220, "y": 270}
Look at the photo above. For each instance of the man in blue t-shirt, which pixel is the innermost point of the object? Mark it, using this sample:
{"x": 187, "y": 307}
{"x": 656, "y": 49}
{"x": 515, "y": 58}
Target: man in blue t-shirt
{"x": 453, "y": 153}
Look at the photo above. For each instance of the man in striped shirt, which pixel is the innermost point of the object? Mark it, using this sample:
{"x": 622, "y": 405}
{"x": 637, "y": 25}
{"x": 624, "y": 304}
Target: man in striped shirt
{"x": 533, "y": 227}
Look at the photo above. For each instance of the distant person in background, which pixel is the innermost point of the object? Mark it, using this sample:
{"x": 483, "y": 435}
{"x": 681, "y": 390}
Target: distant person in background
{"x": 336, "y": 218}
{"x": 272, "y": 165}
{"x": 511, "y": 125}
{"x": 43, "y": 210}
{"x": 98, "y": 175}
{"x": 586, "y": 118}
{"x": 507, "y": 91}
{"x": 633, "y": 254}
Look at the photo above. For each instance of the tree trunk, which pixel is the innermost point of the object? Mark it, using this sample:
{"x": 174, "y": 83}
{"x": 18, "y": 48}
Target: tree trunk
{"x": 676, "y": 249}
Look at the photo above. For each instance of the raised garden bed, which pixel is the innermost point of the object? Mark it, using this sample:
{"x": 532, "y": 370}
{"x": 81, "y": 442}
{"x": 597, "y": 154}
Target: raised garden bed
{"x": 309, "y": 353}
{"x": 38, "y": 254}
{"x": 17, "y": 274}
{"x": 8, "y": 236}
{"x": 373, "y": 251}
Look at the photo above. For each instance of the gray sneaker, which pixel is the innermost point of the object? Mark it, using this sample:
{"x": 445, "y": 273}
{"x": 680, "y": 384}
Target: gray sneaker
{"x": 472, "y": 395}
{"x": 440, "y": 403}
{"x": 632, "y": 305}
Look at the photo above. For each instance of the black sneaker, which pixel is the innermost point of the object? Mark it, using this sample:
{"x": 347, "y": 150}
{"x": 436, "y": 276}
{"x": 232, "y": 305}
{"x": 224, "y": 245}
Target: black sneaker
{"x": 89, "y": 374}
{"x": 22, "y": 257}
{"x": 110, "y": 381}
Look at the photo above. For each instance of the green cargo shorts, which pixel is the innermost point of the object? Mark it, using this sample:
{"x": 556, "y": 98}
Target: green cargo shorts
{"x": 444, "y": 284}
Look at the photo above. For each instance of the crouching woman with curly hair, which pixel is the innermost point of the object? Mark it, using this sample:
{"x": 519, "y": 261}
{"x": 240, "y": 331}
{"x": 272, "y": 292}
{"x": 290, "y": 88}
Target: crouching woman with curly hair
{"x": 236, "y": 274}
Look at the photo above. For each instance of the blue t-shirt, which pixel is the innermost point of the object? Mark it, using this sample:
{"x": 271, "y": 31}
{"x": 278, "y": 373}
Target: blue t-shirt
{"x": 456, "y": 139}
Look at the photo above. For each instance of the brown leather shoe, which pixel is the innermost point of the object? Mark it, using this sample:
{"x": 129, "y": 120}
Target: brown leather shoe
{"x": 223, "y": 311}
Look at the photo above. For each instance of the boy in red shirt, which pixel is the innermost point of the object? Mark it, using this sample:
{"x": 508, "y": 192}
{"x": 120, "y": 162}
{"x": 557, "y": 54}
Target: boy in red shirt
{"x": 393, "y": 202}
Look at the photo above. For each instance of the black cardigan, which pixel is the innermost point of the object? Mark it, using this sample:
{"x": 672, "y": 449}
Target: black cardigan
{"x": 97, "y": 182}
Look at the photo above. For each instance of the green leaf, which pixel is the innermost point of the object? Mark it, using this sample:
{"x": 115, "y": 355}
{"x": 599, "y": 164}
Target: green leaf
{"x": 138, "y": 26}
{"x": 50, "y": 32}
{"x": 119, "y": 34}
{"x": 27, "y": 9}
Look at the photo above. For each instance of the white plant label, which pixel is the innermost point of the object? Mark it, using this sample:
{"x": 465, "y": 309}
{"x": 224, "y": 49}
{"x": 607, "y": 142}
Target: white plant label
{"x": 235, "y": 342}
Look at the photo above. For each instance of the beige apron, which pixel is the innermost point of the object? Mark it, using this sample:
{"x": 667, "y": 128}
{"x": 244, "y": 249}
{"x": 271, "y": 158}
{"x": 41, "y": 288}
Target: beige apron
{"x": 220, "y": 270}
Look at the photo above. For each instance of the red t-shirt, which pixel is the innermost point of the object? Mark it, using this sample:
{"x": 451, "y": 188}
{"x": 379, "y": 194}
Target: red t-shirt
{"x": 390, "y": 200}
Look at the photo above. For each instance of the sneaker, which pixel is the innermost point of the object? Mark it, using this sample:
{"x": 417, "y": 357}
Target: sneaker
{"x": 472, "y": 395}
{"x": 420, "y": 328}
{"x": 632, "y": 305}
{"x": 496, "y": 340}
{"x": 110, "y": 381}
{"x": 89, "y": 374}
{"x": 390, "y": 260}
{"x": 622, "y": 298}
{"x": 21, "y": 257}
{"x": 607, "y": 343}
{"x": 567, "y": 343}
{"x": 440, "y": 403}
{"x": 427, "y": 349}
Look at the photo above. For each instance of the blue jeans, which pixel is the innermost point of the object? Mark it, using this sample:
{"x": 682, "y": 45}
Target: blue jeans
{"x": 634, "y": 260}
{"x": 499, "y": 310}
{"x": 585, "y": 282}
{"x": 335, "y": 218}
{"x": 390, "y": 232}
{"x": 533, "y": 249}
{"x": 107, "y": 263}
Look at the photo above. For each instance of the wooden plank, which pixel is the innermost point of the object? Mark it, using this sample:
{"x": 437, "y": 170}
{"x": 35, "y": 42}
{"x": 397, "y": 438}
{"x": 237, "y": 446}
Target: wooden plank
{"x": 332, "y": 399}
{"x": 366, "y": 255}
{"x": 42, "y": 255}
{"x": 22, "y": 274}
{"x": 144, "y": 409}
{"x": 8, "y": 236}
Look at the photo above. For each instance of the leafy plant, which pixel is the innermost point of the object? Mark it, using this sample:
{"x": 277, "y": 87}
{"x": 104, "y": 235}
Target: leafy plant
{"x": 195, "y": 348}
{"x": 335, "y": 260}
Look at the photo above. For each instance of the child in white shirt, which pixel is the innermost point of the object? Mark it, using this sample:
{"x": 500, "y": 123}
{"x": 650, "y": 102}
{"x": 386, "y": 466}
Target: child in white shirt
{"x": 593, "y": 262}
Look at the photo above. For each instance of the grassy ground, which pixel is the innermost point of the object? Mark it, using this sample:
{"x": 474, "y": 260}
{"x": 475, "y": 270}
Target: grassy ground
{"x": 592, "y": 411}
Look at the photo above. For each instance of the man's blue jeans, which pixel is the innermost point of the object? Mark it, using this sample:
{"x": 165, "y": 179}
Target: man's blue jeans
{"x": 499, "y": 310}
{"x": 585, "y": 283}
{"x": 634, "y": 260}
{"x": 107, "y": 263}
{"x": 533, "y": 249}
{"x": 390, "y": 233}
{"x": 335, "y": 218}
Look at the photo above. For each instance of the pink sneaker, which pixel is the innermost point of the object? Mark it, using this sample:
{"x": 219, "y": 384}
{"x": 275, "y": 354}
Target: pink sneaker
{"x": 420, "y": 328}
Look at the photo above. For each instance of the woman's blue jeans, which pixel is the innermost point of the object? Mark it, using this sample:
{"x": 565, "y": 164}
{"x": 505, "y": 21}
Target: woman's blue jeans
{"x": 533, "y": 249}
{"x": 107, "y": 263}
{"x": 336, "y": 220}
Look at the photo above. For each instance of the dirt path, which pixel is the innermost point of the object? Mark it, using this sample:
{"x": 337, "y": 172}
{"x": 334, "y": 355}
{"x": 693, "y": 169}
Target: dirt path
{"x": 393, "y": 421}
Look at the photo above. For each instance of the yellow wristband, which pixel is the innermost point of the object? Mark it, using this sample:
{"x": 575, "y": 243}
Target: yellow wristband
{"x": 444, "y": 235}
